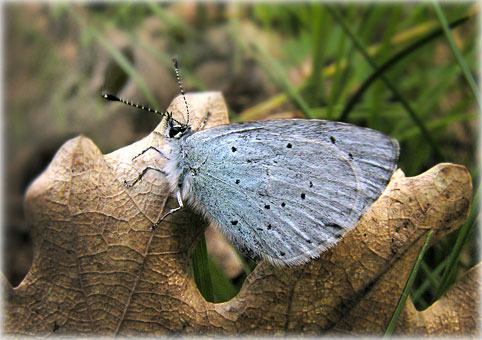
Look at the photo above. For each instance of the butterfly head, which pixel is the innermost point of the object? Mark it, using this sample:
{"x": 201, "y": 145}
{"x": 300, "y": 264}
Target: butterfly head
{"x": 175, "y": 129}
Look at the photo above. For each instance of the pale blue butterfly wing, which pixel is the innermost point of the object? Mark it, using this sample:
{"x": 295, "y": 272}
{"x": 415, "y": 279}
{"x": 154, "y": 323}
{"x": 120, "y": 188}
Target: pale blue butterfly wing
{"x": 286, "y": 190}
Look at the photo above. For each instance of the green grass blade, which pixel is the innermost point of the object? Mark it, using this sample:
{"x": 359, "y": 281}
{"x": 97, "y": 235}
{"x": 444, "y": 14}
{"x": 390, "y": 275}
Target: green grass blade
{"x": 272, "y": 68}
{"x": 223, "y": 289}
{"x": 172, "y": 21}
{"x": 429, "y": 274}
{"x": 451, "y": 269}
{"x": 277, "y": 74}
{"x": 121, "y": 60}
{"x": 411, "y": 112}
{"x": 415, "y": 295}
{"x": 318, "y": 22}
{"x": 166, "y": 60}
{"x": 392, "y": 62}
{"x": 340, "y": 67}
{"x": 124, "y": 63}
{"x": 406, "y": 290}
{"x": 200, "y": 268}
{"x": 437, "y": 123}
{"x": 337, "y": 77}
{"x": 456, "y": 51}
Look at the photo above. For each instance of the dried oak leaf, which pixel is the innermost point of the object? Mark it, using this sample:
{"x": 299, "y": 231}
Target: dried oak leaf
{"x": 99, "y": 269}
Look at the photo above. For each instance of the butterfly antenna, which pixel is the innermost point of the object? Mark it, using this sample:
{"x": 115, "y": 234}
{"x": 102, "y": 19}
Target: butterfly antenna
{"x": 113, "y": 98}
{"x": 176, "y": 68}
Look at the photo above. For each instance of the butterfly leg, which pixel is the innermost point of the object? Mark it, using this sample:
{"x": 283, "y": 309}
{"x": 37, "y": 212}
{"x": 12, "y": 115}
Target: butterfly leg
{"x": 130, "y": 185}
{"x": 181, "y": 205}
{"x": 151, "y": 148}
{"x": 208, "y": 114}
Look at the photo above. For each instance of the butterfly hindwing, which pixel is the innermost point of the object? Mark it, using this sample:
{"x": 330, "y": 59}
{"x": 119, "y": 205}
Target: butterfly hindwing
{"x": 287, "y": 189}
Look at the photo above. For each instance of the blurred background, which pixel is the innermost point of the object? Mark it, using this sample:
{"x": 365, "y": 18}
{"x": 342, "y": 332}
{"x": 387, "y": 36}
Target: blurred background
{"x": 390, "y": 67}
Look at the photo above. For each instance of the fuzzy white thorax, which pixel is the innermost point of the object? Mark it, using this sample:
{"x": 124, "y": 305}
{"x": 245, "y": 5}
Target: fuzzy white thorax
{"x": 178, "y": 174}
{"x": 179, "y": 179}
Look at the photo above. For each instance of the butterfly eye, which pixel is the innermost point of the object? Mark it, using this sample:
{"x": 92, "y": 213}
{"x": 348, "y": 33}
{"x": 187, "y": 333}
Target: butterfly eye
{"x": 177, "y": 130}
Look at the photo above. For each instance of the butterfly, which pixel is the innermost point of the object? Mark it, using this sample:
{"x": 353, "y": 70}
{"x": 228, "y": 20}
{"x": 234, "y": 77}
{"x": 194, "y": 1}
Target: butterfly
{"x": 282, "y": 190}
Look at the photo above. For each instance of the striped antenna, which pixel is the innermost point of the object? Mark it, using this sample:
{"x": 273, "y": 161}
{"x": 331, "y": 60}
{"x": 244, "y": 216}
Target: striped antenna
{"x": 176, "y": 68}
{"x": 113, "y": 98}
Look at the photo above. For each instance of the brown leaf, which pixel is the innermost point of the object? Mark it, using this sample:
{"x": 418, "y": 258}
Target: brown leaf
{"x": 99, "y": 269}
